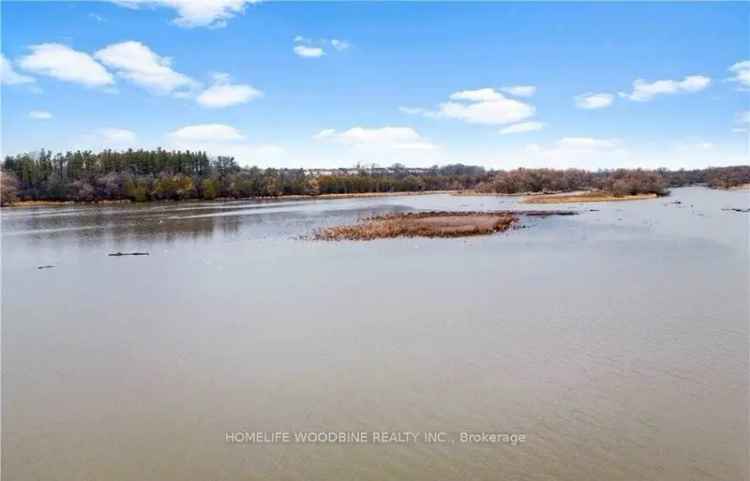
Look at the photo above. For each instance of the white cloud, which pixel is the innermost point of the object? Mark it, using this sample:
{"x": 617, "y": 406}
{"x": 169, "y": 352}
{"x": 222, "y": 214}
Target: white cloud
{"x": 388, "y": 137}
{"x": 225, "y": 94}
{"x": 96, "y": 17}
{"x": 479, "y": 95}
{"x": 309, "y": 48}
{"x": 8, "y": 76}
{"x": 64, "y": 63}
{"x": 137, "y": 63}
{"x": 308, "y": 52}
{"x": 522, "y": 127}
{"x": 222, "y": 139}
{"x": 591, "y": 101}
{"x": 481, "y": 106}
{"x": 495, "y": 112}
{"x": 339, "y": 45}
{"x": 40, "y": 115}
{"x": 116, "y": 137}
{"x": 207, "y": 133}
{"x": 104, "y": 138}
{"x": 520, "y": 90}
{"x": 644, "y": 91}
{"x": 587, "y": 143}
{"x": 741, "y": 71}
{"x": 196, "y": 13}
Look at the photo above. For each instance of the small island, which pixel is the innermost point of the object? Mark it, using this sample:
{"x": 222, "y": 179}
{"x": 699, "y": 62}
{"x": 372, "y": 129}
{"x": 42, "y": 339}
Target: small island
{"x": 429, "y": 224}
{"x": 583, "y": 197}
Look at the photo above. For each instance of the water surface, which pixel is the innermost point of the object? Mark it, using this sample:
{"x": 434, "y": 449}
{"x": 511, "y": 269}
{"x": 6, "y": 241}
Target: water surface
{"x": 615, "y": 340}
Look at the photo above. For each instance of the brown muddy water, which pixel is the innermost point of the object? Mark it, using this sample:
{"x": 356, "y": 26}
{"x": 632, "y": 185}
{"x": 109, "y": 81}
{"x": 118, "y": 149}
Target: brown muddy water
{"x": 615, "y": 342}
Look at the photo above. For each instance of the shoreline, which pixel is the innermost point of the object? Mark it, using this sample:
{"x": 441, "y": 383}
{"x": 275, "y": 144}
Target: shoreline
{"x": 527, "y": 197}
{"x": 65, "y": 203}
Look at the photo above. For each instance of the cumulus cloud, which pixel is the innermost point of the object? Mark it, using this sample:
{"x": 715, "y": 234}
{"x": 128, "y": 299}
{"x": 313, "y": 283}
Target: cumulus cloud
{"x": 226, "y": 140}
{"x": 520, "y": 90}
{"x": 309, "y": 48}
{"x": 481, "y": 106}
{"x": 223, "y": 93}
{"x": 8, "y": 75}
{"x": 587, "y": 143}
{"x": 479, "y": 95}
{"x": 741, "y": 73}
{"x": 389, "y": 137}
{"x": 64, "y": 63}
{"x": 591, "y": 101}
{"x": 40, "y": 115}
{"x": 104, "y": 138}
{"x": 137, "y": 63}
{"x": 644, "y": 91}
{"x": 116, "y": 137}
{"x": 485, "y": 106}
{"x": 522, "y": 127}
{"x": 207, "y": 132}
{"x": 196, "y": 13}
{"x": 308, "y": 52}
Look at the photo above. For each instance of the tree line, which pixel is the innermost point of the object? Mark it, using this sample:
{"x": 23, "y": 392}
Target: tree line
{"x": 146, "y": 175}
{"x": 617, "y": 182}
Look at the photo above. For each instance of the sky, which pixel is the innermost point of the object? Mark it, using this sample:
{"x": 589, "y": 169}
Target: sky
{"x": 335, "y": 84}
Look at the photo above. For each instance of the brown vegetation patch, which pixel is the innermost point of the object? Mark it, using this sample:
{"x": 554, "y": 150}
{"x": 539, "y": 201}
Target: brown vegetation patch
{"x": 596, "y": 196}
{"x": 429, "y": 224}
{"x": 423, "y": 224}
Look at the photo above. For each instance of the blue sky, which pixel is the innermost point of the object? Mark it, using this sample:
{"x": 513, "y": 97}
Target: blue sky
{"x": 503, "y": 85}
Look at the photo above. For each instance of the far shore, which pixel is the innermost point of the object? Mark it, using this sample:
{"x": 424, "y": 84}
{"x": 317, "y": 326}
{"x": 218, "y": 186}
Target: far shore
{"x": 64, "y": 203}
{"x": 527, "y": 197}
{"x": 477, "y": 193}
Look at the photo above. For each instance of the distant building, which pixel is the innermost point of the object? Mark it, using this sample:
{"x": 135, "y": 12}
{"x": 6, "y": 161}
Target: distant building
{"x": 367, "y": 171}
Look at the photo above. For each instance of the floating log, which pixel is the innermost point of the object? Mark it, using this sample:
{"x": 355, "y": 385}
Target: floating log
{"x": 45, "y": 267}
{"x": 118, "y": 254}
{"x": 735, "y": 209}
